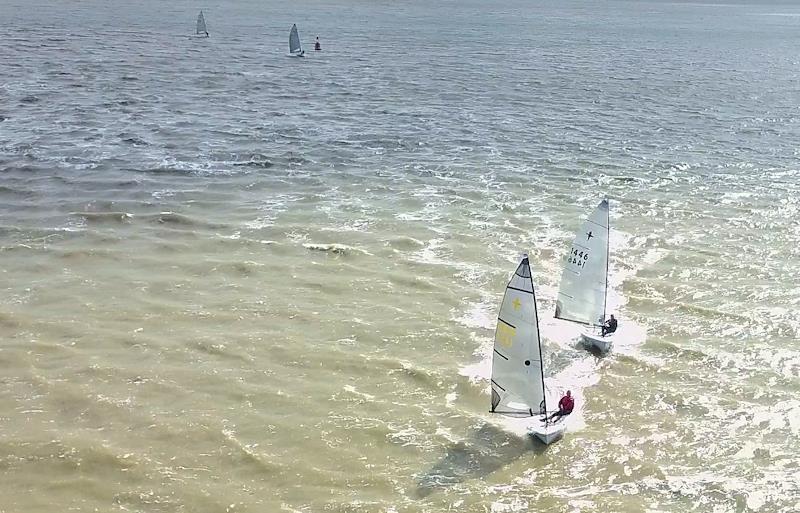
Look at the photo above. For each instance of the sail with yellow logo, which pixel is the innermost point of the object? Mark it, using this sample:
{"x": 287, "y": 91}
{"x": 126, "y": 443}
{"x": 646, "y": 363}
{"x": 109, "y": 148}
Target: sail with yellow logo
{"x": 517, "y": 367}
{"x": 517, "y": 375}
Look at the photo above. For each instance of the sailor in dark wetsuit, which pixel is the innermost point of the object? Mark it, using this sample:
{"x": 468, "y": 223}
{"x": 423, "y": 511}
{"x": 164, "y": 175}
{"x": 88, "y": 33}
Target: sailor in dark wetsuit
{"x": 317, "y": 46}
{"x": 610, "y": 326}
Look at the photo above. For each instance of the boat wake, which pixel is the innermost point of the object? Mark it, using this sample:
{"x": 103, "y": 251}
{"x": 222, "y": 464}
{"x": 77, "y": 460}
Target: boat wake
{"x": 336, "y": 249}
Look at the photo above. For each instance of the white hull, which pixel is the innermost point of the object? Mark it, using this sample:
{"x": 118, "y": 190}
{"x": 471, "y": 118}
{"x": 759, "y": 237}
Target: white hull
{"x": 549, "y": 433}
{"x": 602, "y": 344}
{"x": 297, "y": 54}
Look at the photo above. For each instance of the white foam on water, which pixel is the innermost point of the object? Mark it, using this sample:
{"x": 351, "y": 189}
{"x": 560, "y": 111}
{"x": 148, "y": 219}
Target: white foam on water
{"x": 163, "y": 194}
{"x": 756, "y": 499}
{"x": 431, "y": 214}
{"x": 433, "y": 253}
{"x": 447, "y": 434}
{"x": 297, "y": 236}
{"x": 260, "y": 222}
{"x": 480, "y": 370}
{"x": 356, "y": 225}
{"x": 564, "y": 334}
{"x": 777, "y": 14}
{"x": 511, "y": 505}
{"x": 201, "y": 167}
{"x": 74, "y": 224}
{"x": 450, "y": 399}
{"x": 352, "y": 390}
{"x": 408, "y": 435}
{"x": 478, "y": 315}
{"x": 337, "y": 249}
{"x": 699, "y": 484}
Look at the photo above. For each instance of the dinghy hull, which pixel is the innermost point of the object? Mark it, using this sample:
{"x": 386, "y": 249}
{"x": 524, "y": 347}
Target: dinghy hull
{"x": 595, "y": 340}
{"x": 549, "y": 434}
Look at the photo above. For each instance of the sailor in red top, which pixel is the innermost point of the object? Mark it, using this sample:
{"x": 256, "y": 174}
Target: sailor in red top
{"x": 565, "y": 406}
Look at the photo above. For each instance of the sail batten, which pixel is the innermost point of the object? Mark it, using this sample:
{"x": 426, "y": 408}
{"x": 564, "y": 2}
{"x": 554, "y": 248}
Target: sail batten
{"x": 501, "y": 355}
{"x": 517, "y": 376}
{"x": 584, "y": 281}
{"x": 521, "y": 290}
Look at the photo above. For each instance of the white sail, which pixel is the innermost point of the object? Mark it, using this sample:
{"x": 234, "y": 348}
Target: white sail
{"x": 584, "y": 282}
{"x": 294, "y": 40}
{"x": 201, "y": 24}
{"x": 517, "y": 376}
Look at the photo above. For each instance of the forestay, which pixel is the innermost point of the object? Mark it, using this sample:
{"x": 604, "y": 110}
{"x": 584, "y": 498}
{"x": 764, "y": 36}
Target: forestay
{"x": 582, "y": 293}
{"x": 201, "y": 24}
{"x": 517, "y": 376}
{"x": 294, "y": 40}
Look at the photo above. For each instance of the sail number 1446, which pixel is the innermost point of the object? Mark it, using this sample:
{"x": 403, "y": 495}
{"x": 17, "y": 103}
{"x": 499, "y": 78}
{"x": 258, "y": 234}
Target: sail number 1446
{"x": 578, "y": 258}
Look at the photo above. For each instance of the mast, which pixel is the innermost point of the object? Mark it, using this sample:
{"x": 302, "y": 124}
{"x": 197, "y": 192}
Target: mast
{"x": 539, "y": 342}
{"x": 608, "y": 245}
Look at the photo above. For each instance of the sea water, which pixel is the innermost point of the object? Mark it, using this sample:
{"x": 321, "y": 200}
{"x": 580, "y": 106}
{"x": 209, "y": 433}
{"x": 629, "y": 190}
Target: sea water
{"x": 234, "y": 281}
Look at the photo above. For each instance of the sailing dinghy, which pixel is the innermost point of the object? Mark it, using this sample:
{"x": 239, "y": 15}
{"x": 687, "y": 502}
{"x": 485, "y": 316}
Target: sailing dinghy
{"x": 583, "y": 292}
{"x": 201, "y": 25}
{"x": 295, "y": 50}
{"x": 517, "y": 368}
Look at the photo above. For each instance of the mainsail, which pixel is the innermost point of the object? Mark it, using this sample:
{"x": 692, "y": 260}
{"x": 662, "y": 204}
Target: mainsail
{"x": 294, "y": 40}
{"x": 201, "y": 24}
{"x": 517, "y": 375}
{"x": 584, "y": 282}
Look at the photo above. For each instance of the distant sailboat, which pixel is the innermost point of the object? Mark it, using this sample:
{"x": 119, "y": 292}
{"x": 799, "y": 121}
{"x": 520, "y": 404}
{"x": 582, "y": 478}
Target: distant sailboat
{"x": 517, "y": 367}
{"x": 295, "y": 50}
{"x": 583, "y": 292}
{"x": 201, "y": 25}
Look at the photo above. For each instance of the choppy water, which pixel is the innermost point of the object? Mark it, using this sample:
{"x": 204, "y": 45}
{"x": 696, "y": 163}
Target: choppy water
{"x": 234, "y": 281}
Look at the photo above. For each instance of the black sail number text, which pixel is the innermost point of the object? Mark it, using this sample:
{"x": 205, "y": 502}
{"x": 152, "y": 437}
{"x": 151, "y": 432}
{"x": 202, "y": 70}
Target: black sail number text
{"x": 578, "y": 257}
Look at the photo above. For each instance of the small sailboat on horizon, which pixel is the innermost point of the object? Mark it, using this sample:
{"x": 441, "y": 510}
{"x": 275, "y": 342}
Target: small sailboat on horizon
{"x": 518, "y": 388}
{"x": 583, "y": 292}
{"x": 201, "y": 25}
{"x": 295, "y": 49}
